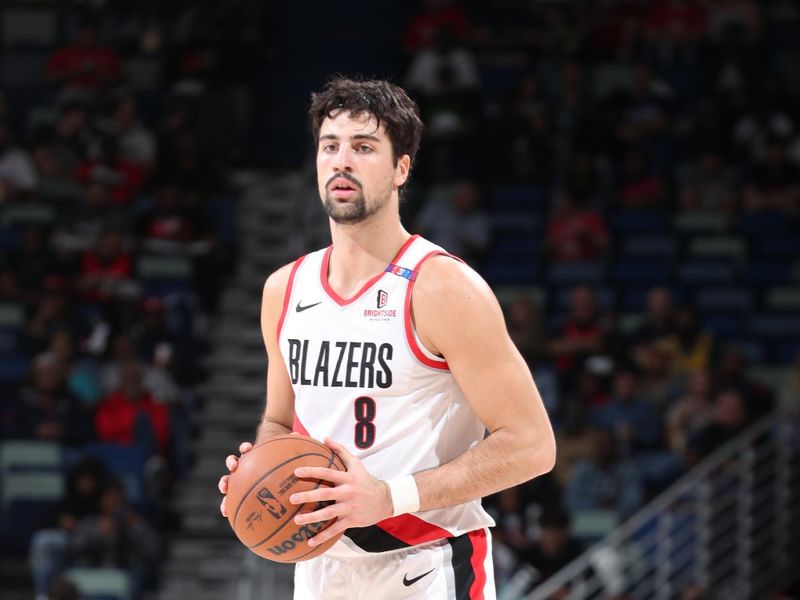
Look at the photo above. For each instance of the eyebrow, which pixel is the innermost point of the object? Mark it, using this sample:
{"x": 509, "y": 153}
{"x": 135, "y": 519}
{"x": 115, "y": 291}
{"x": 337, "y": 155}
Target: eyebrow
{"x": 359, "y": 136}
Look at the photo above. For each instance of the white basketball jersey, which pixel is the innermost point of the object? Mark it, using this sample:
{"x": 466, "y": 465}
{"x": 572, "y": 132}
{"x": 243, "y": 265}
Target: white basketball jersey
{"x": 361, "y": 377}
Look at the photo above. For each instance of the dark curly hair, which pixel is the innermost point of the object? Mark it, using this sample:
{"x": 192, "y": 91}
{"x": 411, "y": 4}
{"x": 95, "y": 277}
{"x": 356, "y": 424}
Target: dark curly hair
{"x": 388, "y": 103}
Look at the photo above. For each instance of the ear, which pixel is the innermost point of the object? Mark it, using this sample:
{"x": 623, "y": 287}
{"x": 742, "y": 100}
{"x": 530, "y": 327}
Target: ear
{"x": 401, "y": 170}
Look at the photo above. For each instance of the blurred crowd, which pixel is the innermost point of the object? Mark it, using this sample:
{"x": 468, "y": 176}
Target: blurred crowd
{"x": 567, "y": 143}
{"x": 116, "y": 229}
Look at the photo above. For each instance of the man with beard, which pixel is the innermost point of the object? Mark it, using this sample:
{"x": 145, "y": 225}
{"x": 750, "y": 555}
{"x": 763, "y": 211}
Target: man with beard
{"x": 396, "y": 354}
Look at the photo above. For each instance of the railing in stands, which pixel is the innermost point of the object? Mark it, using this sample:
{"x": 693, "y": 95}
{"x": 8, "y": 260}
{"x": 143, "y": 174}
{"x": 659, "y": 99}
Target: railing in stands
{"x": 730, "y": 527}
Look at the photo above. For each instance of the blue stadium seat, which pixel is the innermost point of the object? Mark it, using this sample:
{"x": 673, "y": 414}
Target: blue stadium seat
{"x": 773, "y": 325}
{"x": 723, "y": 324}
{"x": 641, "y": 273}
{"x": 728, "y": 298}
{"x": 763, "y": 223}
{"x": 635, "y": 221}
{"x": 9, "y": 342}
{"x": 515, "y": 247}
{"x": 767, "y": 273}
{"x": 786, "y": 352}
{"x": 754, "y": 350}
{"x": 573, "y": 273}
{"x": 13, "y": 369}
{"x": 518, "y": 197}
{"x": 650, "y": 246}
{"x": 521, "y": 273}
{"x": 126, "y": 462}
{"x": 779, "y": 247}
{"x": 706, "y": 271}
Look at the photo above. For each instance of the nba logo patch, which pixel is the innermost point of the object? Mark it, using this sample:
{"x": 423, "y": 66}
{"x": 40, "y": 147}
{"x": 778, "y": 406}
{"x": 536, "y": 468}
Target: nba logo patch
{"x": 383, "y": 298}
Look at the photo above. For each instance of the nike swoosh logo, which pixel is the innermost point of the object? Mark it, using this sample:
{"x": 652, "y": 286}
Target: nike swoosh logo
{"x": 407, "y": 582}
{"x": 299, "y": 308}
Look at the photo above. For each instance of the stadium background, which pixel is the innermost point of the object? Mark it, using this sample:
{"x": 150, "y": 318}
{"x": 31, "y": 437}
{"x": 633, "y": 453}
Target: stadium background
{"x": 624, "y": 173}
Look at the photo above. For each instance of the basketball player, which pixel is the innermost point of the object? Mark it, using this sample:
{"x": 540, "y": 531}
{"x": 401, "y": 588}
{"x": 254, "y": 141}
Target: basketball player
{"x": 396, "y": 354}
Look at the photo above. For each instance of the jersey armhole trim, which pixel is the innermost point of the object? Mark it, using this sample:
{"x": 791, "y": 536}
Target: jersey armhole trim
{"x": 421, "y": 353}
{"x": 287, "y": 296}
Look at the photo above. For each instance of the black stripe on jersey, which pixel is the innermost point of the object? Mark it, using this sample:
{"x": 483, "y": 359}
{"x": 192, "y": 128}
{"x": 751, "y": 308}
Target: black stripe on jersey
{"x": 374, "y": 539}
{"x": 463, "y": 573}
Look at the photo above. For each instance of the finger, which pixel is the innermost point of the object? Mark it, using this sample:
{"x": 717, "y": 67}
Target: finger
{"x": 333, "y": 475}
{"x": 223, "y": 509}
{"x": 347, "y": 458}
{"x": 323, "y": 514}
{"x": 245, "y": 447}
{"x": 326, "y": 534}
{"x": 231, "y": 462}
{"x": 322, "y": 494}
{"x": 223, "y": 484}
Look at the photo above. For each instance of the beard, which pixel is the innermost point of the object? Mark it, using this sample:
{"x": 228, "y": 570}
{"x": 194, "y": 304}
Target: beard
{"x": 357, "y": 210}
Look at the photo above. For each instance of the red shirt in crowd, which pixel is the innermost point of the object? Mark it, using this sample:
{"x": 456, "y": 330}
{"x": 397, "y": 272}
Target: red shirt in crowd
{"x": 90, "y": 67}
{"x": 578, "y": 236}
{"x": 127, "y": 177}
{"x": 116, "y": 416}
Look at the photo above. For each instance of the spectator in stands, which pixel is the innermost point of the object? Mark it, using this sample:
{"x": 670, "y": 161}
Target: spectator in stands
{"x": 582, "y": 335}
{"x": 424, "y": 73}
{"x": 119, "y": 537}
{"x": 137, "y": 144}
{"x": 729, "y": 416}
{"x": 435, "y": 14}
{"x": 639, "y": 187}
{"x": 603, "y": 481}
{"x": 555, "y": 548}
{"x": 455, "y": 221}
{"x": 106, "y": 271}
{"x": 63, "y": 589}
{"x": 613, "y": 29}
{"x": 17, "y": 174}
{"x": 131, "y": 415}
{"x": 575, "y": 232}
{"x": 44, "y": 410}
{"x": 646, "y": 110}
{"x": 84, "y": 64}
{"x": 81, "y": 375}
{"x": 659, "y": 387}
{"x": 52, "y": 313}
{"x": 691, "y": 412}
{"x": 775, "y": 185}
{"x": 708, "y": 184}
{"x": 124, "y": 178}
{"x": 659, "y": 316}
{"x": 27, "y": 268}
{"x": 59, "y": 150}
{"x": 634, "y": 421}
{"x": 672, "y": 25}
{"x": 82, "y": 224}
{"x": 691, "y": 348}
{"x": 732, "y": 372}
{"x": 49, "y": 553}
{"x": 525, "y": 328}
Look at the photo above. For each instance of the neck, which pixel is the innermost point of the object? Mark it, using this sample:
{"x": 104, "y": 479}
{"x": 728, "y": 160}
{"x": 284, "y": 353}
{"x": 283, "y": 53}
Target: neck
{"x": 363, "y": 250}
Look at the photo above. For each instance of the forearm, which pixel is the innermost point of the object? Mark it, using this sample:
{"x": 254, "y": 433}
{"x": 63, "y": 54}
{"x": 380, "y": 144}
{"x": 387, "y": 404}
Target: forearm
{"x": 502, "y": 460}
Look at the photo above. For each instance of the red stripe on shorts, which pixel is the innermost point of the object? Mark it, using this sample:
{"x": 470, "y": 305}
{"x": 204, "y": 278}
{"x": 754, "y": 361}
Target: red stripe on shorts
{"x": 479, "y": 549}
{"x": 412, "y": 530}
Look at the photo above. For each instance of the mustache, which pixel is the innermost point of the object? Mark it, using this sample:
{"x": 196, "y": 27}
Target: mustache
{"x": 347, "y": 176}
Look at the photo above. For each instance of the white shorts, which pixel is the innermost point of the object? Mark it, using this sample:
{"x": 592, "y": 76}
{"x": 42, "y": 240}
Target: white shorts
{"x": 450, "y": 569}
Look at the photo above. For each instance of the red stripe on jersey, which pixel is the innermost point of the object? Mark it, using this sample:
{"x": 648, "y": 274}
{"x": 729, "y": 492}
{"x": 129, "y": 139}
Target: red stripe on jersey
{"x": 479, "y": 549}
{"x": 298, "y": 427}
{"x": 323, "y": 275}
{"x": 412, "y": 340}
{"x": 412, "y": 530}
{"x": 287, "y": 295}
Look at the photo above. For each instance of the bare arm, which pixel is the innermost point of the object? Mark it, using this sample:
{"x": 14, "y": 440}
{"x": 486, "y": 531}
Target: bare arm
{"x": 470, "y": 332}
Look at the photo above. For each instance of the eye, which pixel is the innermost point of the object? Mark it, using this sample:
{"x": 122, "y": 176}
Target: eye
{"x": 364, "y": 149}
{"x": 329, "y": 147}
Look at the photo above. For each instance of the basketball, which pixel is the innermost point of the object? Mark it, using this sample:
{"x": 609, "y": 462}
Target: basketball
{"x": 259, "y": 489}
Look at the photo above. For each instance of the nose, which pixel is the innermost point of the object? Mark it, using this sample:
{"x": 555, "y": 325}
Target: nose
{"x": 343, "y": 162}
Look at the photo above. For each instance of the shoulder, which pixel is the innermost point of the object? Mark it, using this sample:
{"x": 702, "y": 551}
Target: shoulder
{"x": 446, "y": 280}
{"x": 275, "y": 284}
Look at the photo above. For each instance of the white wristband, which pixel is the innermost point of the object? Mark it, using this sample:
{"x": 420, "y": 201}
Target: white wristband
{"x": 405, "y": 495}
